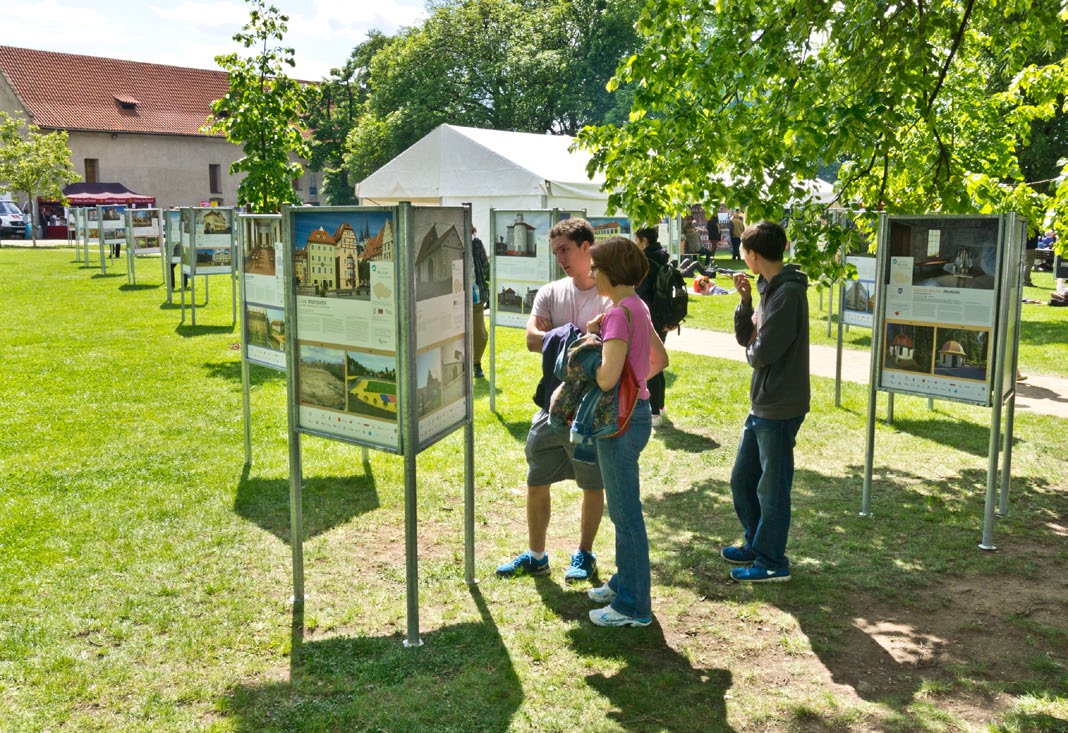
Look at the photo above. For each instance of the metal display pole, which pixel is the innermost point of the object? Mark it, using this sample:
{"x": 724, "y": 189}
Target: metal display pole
{"x": 492, "y": 254}
{"x": 469, "y": 424}
{"x": 873, "y": 373}
{"x": 296, "y": 520}
{"x": 410, "y": 423}
{"x": 838, "y": 353}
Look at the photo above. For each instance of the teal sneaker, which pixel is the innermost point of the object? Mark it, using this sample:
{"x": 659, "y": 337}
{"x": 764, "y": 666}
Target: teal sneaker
{"x": 609, "y": 616}
{"x": 759, "y": 574}
{"x": 523, "y": 565}
{"x": 604, "y": 594}
{"x": 583, "y": 566}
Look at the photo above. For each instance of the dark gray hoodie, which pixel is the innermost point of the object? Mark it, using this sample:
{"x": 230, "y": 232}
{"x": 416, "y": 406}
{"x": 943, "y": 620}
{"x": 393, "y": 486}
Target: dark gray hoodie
{"x": 779, "y": 388}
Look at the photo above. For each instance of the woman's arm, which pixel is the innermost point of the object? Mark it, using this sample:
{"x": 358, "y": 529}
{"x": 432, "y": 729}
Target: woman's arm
{"x": 613, "y": 353}
{"x": 658, "y": 356}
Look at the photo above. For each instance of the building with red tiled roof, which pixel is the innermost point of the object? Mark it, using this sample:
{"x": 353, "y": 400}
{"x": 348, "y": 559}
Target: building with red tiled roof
{"x": 130, "y": 122}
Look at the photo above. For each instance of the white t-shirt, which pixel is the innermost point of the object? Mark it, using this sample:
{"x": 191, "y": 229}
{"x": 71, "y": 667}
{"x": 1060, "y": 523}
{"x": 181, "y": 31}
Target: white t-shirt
{"x": 562, "y": 303}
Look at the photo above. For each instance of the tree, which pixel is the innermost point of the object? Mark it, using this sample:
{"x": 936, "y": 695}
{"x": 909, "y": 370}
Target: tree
{"x": 34, "y": 163}
{"x": 262, "y": 112}
{"x": 334, "y": 111}
{"x": 521, "y": 65}
{"x": 742, "y": 102}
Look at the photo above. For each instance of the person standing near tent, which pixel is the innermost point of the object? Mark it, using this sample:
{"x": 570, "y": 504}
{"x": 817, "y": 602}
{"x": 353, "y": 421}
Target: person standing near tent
{"x": 648, "y": 238}
{"x": 480, "y": 295}
{"x": 570, "y": 301}
{"x": 775, "y": 338}
{"x": 737, "y": 227}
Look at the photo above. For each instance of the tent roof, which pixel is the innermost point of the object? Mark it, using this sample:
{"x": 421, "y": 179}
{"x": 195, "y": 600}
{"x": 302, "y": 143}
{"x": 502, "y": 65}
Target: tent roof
{"x": 91, "y": 194}
{"x": 453, "y": 161}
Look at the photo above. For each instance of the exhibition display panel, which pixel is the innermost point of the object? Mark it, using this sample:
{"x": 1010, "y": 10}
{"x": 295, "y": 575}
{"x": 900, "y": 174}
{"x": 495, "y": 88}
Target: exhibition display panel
{"x": 946, "y": 325}
{"x": 207, "y": 249}
{"x": 144, "y": 236}
{"x": 377, "y": 301}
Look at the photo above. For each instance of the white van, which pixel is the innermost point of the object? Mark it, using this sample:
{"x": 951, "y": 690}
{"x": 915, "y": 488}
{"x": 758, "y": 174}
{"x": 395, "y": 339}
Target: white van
{"x": 12, "y": 222}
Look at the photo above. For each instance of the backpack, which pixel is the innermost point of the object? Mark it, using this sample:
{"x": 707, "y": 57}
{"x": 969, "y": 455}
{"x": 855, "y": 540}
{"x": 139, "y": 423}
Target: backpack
{"x": 670, "y": 300}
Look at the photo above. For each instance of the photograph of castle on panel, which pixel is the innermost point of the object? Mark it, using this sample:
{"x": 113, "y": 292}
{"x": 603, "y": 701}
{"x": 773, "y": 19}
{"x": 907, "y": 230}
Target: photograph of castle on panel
{"x": 609, "y": 226}
{"x": 334, "y": 251}
{"x": 522, "y": 261}
{"x": 859, "y": 308}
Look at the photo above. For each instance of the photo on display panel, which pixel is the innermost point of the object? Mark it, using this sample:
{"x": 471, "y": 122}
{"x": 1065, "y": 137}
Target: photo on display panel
{"x": 333, "y": 252}
{"x": 322, "y": 377}
{"x": 265, "y": 327}
{"x": 909, "y": 347}
{"x": 962, "y": 353}
{"x": 371, "y": 385}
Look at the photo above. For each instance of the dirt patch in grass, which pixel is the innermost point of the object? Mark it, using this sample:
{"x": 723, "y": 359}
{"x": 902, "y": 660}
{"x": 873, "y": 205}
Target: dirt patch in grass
{"x": 966, "y": 645}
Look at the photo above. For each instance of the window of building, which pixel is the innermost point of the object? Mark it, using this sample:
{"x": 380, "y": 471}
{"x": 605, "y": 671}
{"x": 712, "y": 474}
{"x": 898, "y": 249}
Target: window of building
{"x": 296, "y": 183}
{"x": 214, "y": 182}
{"x": 92, "y": 170}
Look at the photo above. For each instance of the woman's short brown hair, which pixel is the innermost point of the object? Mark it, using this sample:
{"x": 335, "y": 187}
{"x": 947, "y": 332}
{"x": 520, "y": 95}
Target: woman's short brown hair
{"x": 621, "y": 260}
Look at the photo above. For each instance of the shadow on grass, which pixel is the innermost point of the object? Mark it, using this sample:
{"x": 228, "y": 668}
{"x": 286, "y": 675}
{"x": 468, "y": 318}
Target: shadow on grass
{"x": 460, "y": 679}
{"x": 678, "y": 439}
{"x": 257, "y": 373}
{"x": 137, "y": 288}
{"x": 656, "y": 688}
{"x": 109, "y": 276}
{"x": 186, "y": 330}
{"x": 898, "y": 603}
{"x": 518, "y": 429}
{"x": 326, "y": 502}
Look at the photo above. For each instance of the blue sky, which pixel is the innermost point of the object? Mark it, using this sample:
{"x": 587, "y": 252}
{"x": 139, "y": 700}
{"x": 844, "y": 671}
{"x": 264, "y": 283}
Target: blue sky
{"x": 192, "y": 33}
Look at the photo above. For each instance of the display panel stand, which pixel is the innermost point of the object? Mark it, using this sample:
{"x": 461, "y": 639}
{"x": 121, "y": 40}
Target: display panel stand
{"x": 211, "y": 238}
{"x": 521, "y": 261}
{"x": 977, "y": 301}
{"x": 389, "y": 283}
{"x": 144, "y": 236}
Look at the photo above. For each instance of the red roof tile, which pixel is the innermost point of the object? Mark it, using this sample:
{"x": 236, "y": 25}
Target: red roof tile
{"x": 69, "y": 92}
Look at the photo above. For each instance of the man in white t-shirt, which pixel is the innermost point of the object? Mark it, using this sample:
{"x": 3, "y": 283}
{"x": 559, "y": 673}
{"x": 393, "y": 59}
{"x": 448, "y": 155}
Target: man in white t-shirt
{"x": 572, "y": 299}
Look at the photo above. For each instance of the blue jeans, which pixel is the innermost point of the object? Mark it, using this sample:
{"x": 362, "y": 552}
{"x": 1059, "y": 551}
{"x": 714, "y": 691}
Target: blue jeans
{"x": 618, "y": 459}
{"x": 760, "y": 484}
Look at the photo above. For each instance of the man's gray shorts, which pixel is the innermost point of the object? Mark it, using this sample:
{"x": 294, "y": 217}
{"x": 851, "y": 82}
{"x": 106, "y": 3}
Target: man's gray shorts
{"x": 549, "y": 457}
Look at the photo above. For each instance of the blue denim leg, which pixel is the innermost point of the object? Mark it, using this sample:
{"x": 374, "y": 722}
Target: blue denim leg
{"x": 760, "y": 484}
{"x": 618, "y": 458}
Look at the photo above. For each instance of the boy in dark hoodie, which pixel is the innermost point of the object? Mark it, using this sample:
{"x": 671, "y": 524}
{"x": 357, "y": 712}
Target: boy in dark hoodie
{"x": 648, "y": 238}
{"x": 775, "y": 338}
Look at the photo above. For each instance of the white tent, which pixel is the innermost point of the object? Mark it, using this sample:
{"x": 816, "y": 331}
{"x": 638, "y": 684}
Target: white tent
{"x": 453, "y": 165}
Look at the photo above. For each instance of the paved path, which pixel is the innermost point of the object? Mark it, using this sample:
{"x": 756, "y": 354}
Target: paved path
{"x": 1040, "y": 394}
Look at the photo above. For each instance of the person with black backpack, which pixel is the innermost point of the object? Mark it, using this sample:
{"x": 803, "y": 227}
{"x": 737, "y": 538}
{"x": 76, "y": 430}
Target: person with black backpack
{"x": 649, "y": 239}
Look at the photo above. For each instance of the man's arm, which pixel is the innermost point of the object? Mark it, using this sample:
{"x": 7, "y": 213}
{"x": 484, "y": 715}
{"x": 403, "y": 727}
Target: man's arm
{"x": 537, "y": 327}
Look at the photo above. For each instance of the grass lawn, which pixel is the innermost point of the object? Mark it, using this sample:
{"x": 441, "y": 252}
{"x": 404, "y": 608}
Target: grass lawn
{"x": 147, "y": 573}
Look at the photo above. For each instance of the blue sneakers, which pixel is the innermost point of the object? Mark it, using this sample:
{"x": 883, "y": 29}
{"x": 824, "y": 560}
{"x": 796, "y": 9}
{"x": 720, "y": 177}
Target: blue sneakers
{"x": 759, "y": 574}
{"x": 608, "y": 616}
{"x": 583, "y": 566}
{"x": 523, "y": 565}
{"x": 738, "y": 555}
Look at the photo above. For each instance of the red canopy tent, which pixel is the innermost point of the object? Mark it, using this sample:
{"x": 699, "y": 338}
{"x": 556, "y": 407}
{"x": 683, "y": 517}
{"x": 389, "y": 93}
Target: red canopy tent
{"x": 87, "y": 194}
{"x": 93, "y": 194}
